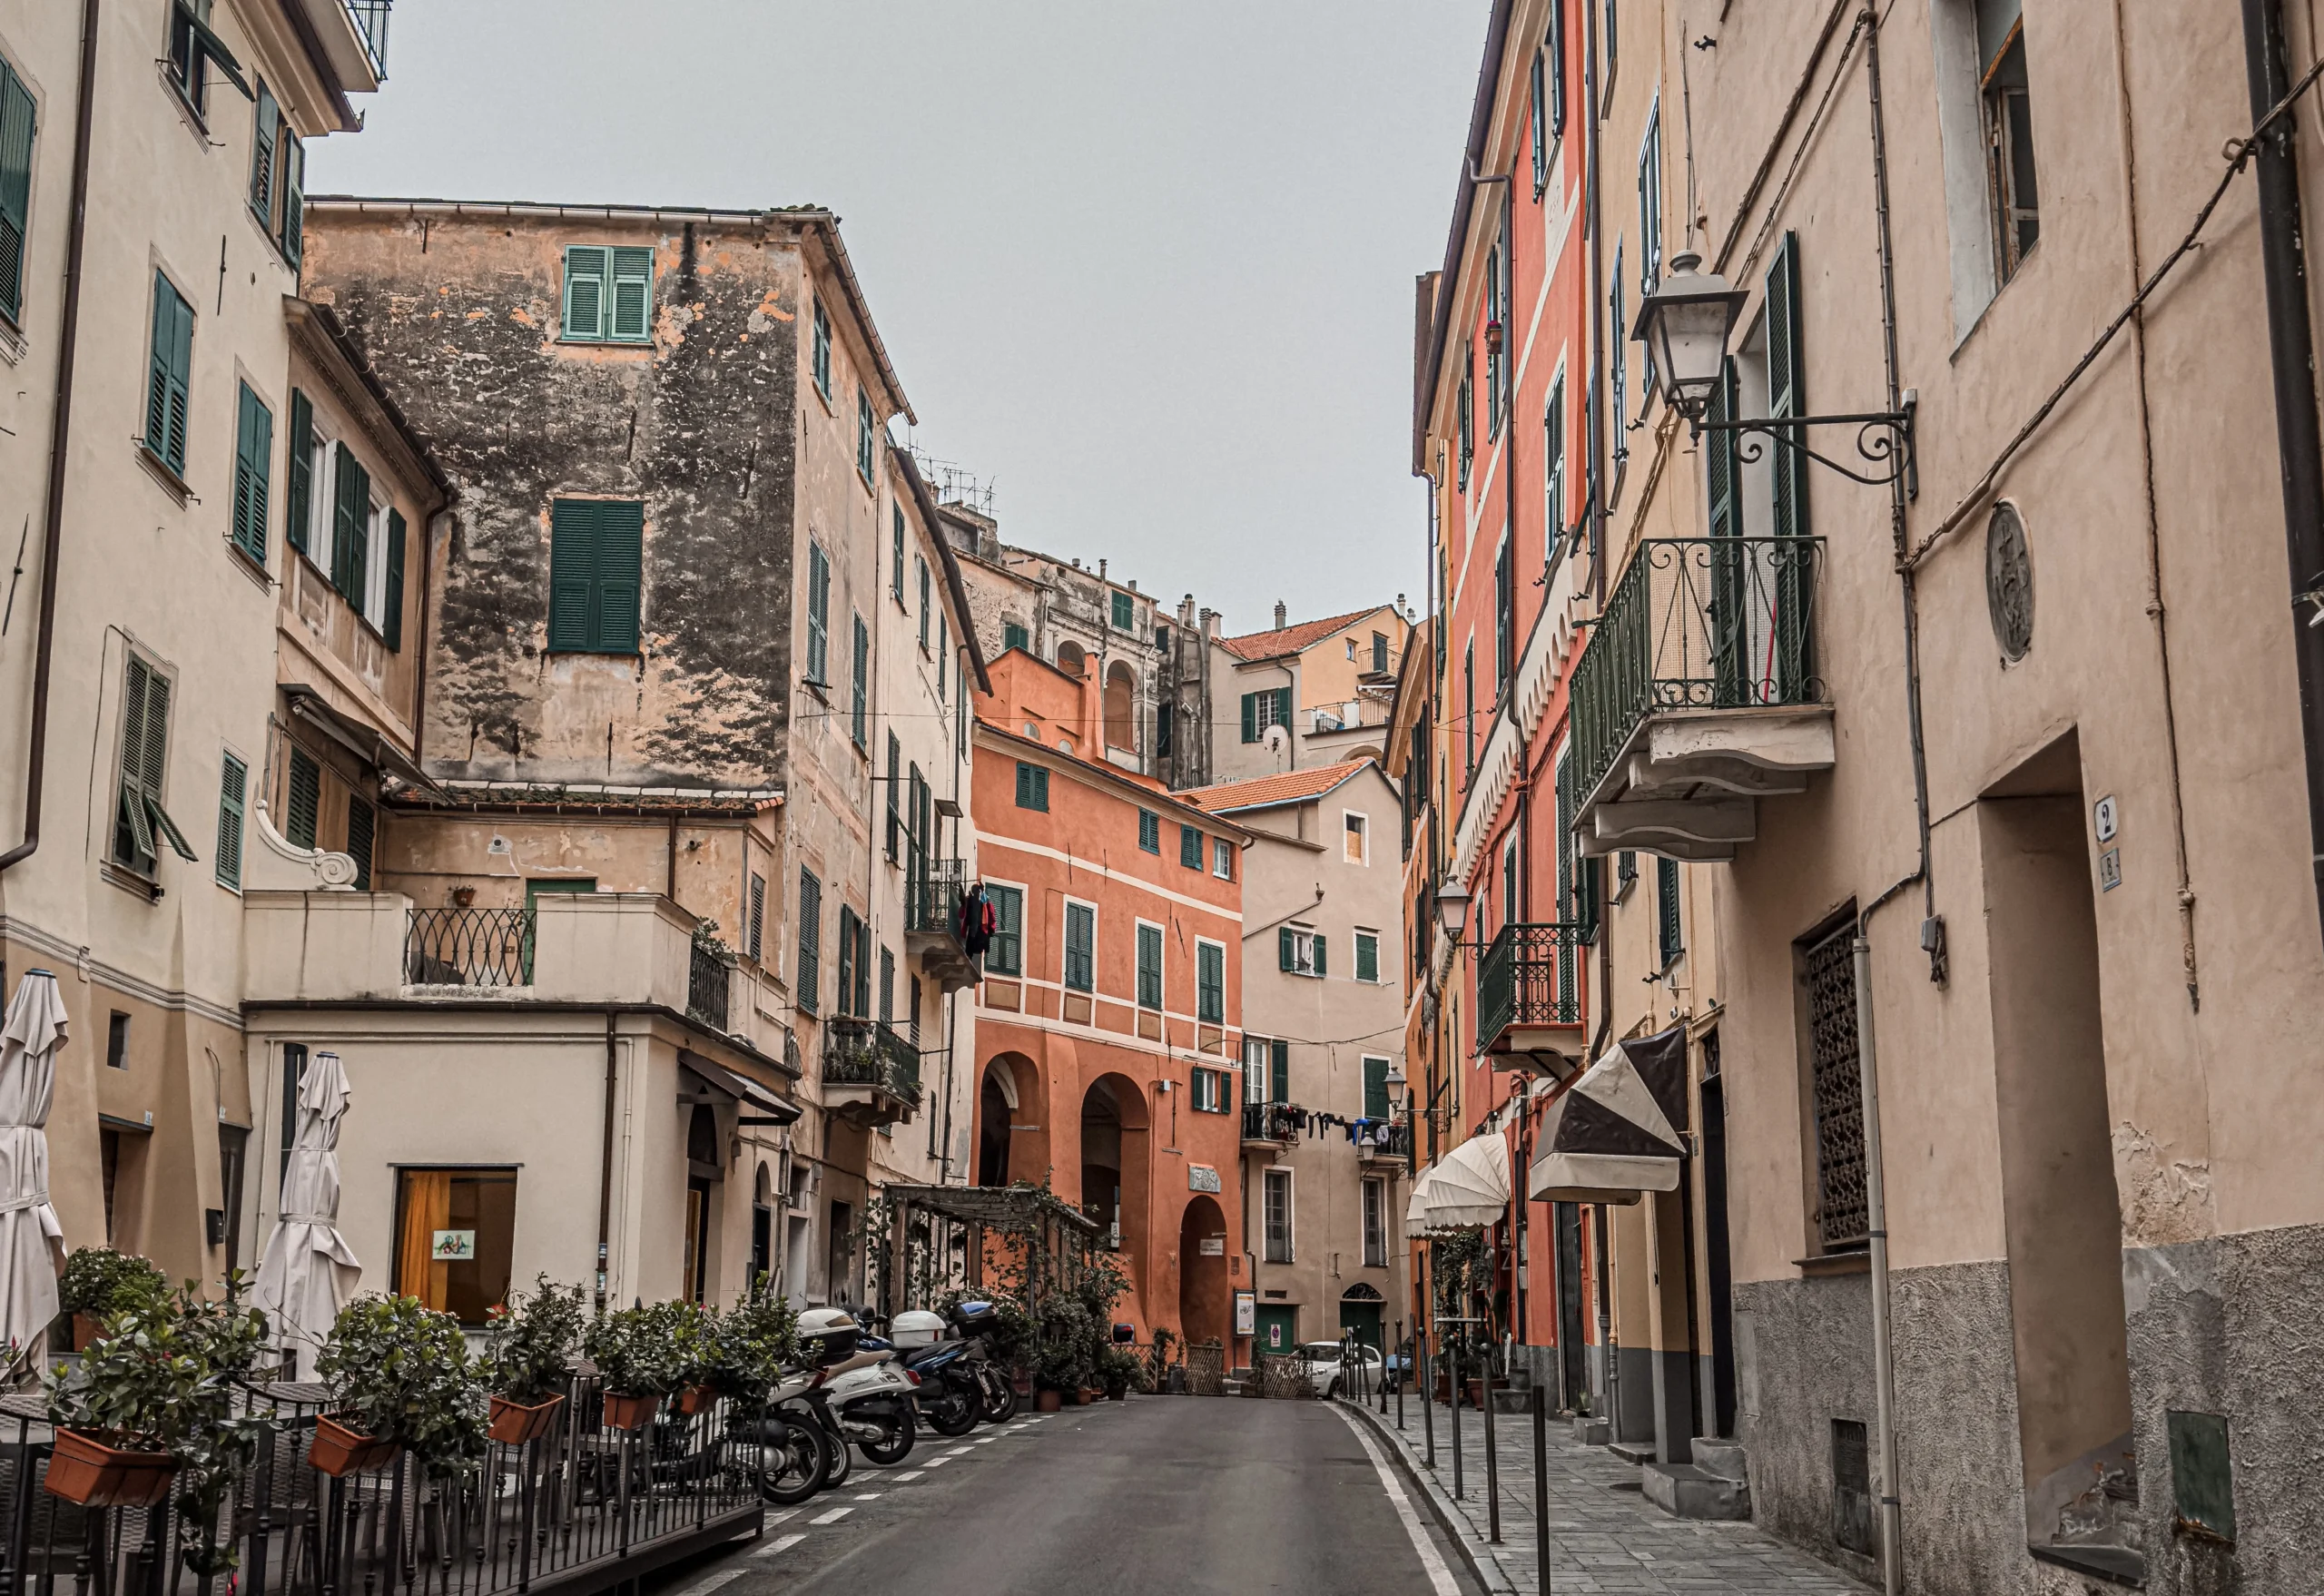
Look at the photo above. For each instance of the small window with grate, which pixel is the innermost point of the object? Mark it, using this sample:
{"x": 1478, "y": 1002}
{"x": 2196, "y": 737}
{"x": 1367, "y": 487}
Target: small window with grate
{"x": 1828, "y": 970}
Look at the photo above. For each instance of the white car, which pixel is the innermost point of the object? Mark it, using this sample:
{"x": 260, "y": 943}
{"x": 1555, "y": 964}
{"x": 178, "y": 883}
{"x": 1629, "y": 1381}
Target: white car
{"x": 1325, "y": 1368}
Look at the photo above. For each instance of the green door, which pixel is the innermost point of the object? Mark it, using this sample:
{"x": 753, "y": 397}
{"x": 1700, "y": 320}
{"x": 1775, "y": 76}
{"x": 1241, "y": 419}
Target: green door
{"x": 1279, "y": 1330}
{"x": 534, "y": 891}
{"x": 1364, "y": 1318}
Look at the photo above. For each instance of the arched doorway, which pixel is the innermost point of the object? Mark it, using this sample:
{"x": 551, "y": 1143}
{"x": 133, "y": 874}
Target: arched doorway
{"x": 1362, "y": 1308}
{"x": 1072, "y": 660}
{"x": 1202, "y": 1273}
{"x": 1121, "y": 707}
{"x": 1114, "y": 1167}
{"x": 996, "y": 1117}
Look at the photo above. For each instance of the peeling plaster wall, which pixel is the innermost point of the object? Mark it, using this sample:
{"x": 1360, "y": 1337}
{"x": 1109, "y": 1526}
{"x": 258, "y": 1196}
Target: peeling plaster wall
{"x": 459, "y": 318}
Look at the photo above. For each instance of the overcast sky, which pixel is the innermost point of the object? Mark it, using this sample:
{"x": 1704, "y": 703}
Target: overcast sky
{"x": 1144, "y": 265}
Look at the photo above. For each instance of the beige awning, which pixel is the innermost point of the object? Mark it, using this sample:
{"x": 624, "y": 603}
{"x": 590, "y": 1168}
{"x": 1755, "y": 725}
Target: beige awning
{"x": 1468, "y": 1188}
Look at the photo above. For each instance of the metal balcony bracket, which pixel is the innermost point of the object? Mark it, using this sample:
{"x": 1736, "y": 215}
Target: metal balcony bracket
{"x": 1883, "y": 440}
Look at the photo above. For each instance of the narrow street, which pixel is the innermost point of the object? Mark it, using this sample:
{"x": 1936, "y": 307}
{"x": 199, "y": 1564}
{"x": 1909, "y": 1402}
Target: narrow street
{"x": 1146, "y": 1496}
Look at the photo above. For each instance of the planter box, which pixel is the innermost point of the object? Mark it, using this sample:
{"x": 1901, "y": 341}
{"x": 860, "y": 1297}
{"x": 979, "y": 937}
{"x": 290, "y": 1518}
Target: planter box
{"x": 86, "y": 1471}
{"x": 1047, "y": 1402}
{"x": 630, "y": 1413}
{"x": 514, "y": 1425}
{"x": 338, "y": 1450}
{"x": 693, "y": 1399}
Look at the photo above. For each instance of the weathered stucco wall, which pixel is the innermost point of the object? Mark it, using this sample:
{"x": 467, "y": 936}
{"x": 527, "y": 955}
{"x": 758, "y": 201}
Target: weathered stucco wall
{"x": 459, "y": 317}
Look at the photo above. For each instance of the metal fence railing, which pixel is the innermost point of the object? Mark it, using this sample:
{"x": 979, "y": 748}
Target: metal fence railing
{"x": 863, "y": 1052}
{"x": 1271, "y": 1121}
{"x": 372, "y": 22}
{"x": 932, "y": 896}
{"x": 1695, "y": 623}
{"x": 707, "y": 979}
{"x": 583, "y": 1508}
{"x": 1528, "y": 977}
{"x": 468, "y": 947}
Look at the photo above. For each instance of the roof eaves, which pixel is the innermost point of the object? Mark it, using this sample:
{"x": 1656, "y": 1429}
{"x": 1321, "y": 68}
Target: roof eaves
{"x": 1463, "y": 206}
{"x": 953, "y": 585}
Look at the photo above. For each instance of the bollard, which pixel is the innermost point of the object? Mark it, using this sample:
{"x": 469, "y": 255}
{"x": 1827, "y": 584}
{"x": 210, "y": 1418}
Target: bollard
{"x": 1454, "y": 1351}
{"x": 1427, "y": 1397}
{"x": 1492, "y": 1456}
{"x": 1403, "y": 1373}
{"x": 1541, "y": 1485}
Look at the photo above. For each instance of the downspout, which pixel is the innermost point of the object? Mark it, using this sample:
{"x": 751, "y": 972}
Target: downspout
{"x": 52, "y": 534}
{"x": 606, "y": 1165}
{"x": 2291, "y": 353}
{"x": 1594, "y": 181}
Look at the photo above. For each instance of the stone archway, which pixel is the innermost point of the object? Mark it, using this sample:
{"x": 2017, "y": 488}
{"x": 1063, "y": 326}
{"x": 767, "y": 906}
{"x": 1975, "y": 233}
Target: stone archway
{"x": 1072, "y": 660}
{"x": 1202, "y": 1305}
{"x": 1121, "y": 708}
{"x": 997, "y": 1097}
{"x": 1114, "y": 1169}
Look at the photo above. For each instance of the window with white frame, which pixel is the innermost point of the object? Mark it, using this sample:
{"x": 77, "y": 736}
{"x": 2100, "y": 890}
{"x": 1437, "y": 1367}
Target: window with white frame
{"x": 1278, "y": 1216}
{"x": 1255, "y": 1069}
{"x": 1301, "y": 950}
{"x": 1222, "y": 859}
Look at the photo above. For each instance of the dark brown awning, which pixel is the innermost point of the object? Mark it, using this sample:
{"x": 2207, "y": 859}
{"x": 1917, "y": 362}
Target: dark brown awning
{"x": 1619, "y": 1128}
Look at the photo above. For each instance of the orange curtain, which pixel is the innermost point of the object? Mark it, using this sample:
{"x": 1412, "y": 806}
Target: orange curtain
{"x": 426, "y": 1208}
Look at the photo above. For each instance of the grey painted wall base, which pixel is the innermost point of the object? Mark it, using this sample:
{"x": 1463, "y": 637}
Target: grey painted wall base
{"x": 1674, "y": 1406}
{"x": 1633, "y": 1400}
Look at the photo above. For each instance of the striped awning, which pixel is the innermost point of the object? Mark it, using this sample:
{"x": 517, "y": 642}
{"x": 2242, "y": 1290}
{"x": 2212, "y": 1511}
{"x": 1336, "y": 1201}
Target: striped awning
{"x": 1618, "y": 1130}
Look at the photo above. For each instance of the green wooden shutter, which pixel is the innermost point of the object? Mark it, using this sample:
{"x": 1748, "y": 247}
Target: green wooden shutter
{"x": 363, "y": 824}
{"x": 1149, "y": 966}
{"x": 1210, "y": 979}
{"x": 1723, "y": 480}
{"x": 1279, "y": 1072}
{"x": 1367, "y": 956}
{"x": 860, "y": 707}
{"x": 585, "y": 292}
{"x": 846, "y": 957}
{"x": 233, "y": 788}
{"x": 811, "y": 942}
{"x": 896, "y": 576}
{"x": 1321, "y": 960}
{"x": 263, "y": 157}
{"x": 1785, "y": 395}
{"x": 1024, "y": 785}
{"x": 293, "y": 235}
{"x": 1189, "y": 848}
{"x": 172, "y": 375}
{"x": 895, "y": 801}
{"x": 1013, "y": 635}
{"x": 620, "y": 575}
{"x": 305, "y": 802}
{"x": 632, "y": 297}
{"x": 16, "y": 117}
{"x": 1375, "y": 1088}
{"x": 253, "y": 457}
{"x": 1250, "y": 717}
{"x": 355, "y": 528}
{"x": 819, "y": 597}
{"x": 1080, "y": 947}
{"x": 1283, "y": 707}
{"x": 392, "y": 622}
{"x": 572, "y": 572}
{"x": 1665, "y": 898}
{"x": 133, "y": 836}
{"x": 299, "y": 480}
{"x": 342, "y": 517}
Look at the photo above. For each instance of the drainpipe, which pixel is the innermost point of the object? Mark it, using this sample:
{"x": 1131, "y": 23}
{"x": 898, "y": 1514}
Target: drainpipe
{"x": 1876, "y": 1204}
{"x": 1594, "y": 181}
{"x": 52, "y": 534}
{"x": 605, "y": 1166}
{"x": 2292, "y": 359}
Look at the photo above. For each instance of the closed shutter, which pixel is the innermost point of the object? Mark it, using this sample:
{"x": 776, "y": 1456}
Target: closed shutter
{"x": 1283, "y": 707}
{"x": 1722, "y": 481}
{"x": 1080, "y": 945}
{"x": 304, "y": 805}
{"x": 1279, "y": 1072}
{"x": 262, "y": 158}
{"x": 596, "y": 558}
{"x": 1321, "y": 943}
{"x": 572, "y": 572}
{"x": 1025, "y": 785}
{"x": 1286, "y": 953}
{"x": 234, "y": 796}
{"x": 293, "y": 235}
{"x": 1250, "y": 717}
{"x": 585, "y": 292}
{"x": 861, "y": 709}
{"x": 1150, "y": 967}
{"x": 895, "y": 801}
{"x": 1210, "y": 980}
{"x": 391, "y": 624}
{"x": 819, "y": 599}
{"x": 299, "y": 480}
{"x": 132, "y": 834}
{"x": 811, "y": 941}
{"x": 758, "y": 915}
{"x": 351, "y": 517}
{"x": 1666, "y": 896}
{"x": 254, "y": 456}
{"x": 896, "y": 564}
{"x": 1005, "y": 954}
{"x": 632, "y": 295}
{"x": 362, "y": 824}
{"x": 171, "y": 373}
{"x": 621, "y": 574}
{"x": 847, "y": 923}
{"x": 15, "y": 187}
{"x": 1190, "y": 847}
{"x": 1367, "y": 956}
{"x": 1375, "y": 1088}
{"x": 1785, "y": 396}
{"x": 1013, "y": 635}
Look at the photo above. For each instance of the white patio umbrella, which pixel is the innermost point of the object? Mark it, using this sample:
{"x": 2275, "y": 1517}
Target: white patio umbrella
{"x": 29, "y": 1232}
{"x": 1467, "y": 1188}
{"x": 308, "y": 1273}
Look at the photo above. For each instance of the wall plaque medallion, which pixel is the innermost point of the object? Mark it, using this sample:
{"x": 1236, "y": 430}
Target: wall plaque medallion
{"x": 2009, "y": 582}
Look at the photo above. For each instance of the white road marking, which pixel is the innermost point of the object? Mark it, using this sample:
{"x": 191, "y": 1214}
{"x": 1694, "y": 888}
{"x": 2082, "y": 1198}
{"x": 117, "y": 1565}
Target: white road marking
{"x": 788, "y": 1512}
{"x": 907, "y": 1479}
{"x": 1439, "y": 1577}
{"x": 958, "y": 1451}
{"x": 934, "y": 1463}
{"x": 785, "y": 1544}
{"x": 832, "y": 1517}
{"x": 712, "y": 1583}
{"x": 868, "y": 1496}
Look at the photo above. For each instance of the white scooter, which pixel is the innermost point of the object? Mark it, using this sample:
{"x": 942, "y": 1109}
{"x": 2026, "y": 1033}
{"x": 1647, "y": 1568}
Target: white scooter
{"x": 868, "y": 1394}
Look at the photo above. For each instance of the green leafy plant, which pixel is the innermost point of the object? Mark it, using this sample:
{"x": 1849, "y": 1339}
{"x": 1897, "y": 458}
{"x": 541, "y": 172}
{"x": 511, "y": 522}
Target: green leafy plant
{"x": 742, "y": 1351}
{"x": 646, "y": 1351}
{"x": 167, "y": 1377}
{"x": 98, "y": 1280}
{"x": 1120, "y": 1369}
{"x": 400, "y": 1370}
{"x": 529, "y": 1343}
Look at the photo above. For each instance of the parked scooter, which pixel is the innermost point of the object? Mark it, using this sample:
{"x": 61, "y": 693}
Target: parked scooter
{"x": 951, "y": 1356}
{"x": 868, "y": 1392}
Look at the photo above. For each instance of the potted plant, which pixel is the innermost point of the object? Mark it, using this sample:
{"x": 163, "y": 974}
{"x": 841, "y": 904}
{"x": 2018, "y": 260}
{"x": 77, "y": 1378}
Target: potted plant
{"x": 1118, "y": 1369}
{"x": 744, "y": 1349}
{"x": 529, "y": 1350}
{"x": 639, "y": 1360}
{"x": 98, "y": 1281}
{"x": 401, "y": 1376}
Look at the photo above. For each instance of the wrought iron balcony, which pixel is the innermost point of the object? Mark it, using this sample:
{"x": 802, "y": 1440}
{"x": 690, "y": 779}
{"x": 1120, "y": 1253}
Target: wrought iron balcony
{"x": 1271, "y": 1124}
{"x": 932, "y": 889}
{"x": 1698, "y": 695}
{"x": 1393, "y": 1140}
{"x": 707, "y": 973}
{"x": 1528, "y": 997}
{"x": 370, "y": 17}
{"x": 468, "y": 947}
{"x": 870, "y": 1073}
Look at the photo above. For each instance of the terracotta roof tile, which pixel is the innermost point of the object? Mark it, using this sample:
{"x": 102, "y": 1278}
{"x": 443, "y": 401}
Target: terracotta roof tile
{"x": 1259, "y": 792}
{"x": 1290, "y": 639}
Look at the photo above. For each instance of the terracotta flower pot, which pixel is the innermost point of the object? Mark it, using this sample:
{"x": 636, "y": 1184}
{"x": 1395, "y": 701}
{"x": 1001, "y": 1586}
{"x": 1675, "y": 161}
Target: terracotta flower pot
{"x": 1024, "y": 1385}
{"x": 1117, "y": 1394}
{"x": 515, "y": 1425}
{"x": 1047, "y": 1402}
{"x": 87, "y": 1331}
{"x": 630, "y": 1413}
{"x": 86, "y": 1470}
{"x": 695, "y": 1398}
{"x": 1476, "y": 1389}
{"x": 338, "y": 1450}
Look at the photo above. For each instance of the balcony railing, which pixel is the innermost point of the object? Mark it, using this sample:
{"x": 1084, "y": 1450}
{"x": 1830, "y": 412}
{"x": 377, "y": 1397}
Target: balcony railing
{"x": 932, "y": 897}
{"x": 865, "y": 1053}
{"x": 1393, "y": 1140}
{"x": 1529, "y": 980}
{"x": 468, "y": 947}
{"x": 1696, "y": 622}
{"x": 1271, "y": 1121}
{"x": 372, "y": 22}
{"x": 707, "y": 984}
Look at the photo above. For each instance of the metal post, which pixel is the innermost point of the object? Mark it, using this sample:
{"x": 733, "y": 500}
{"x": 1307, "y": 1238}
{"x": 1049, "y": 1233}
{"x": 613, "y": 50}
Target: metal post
{"x": 1542, "y": 1486}
{"x": 1427, "y": 1397}
{"x": 1875, "y": 1203}
{"x": 1403, "y": 1373}
{"x": 1453, "y": 1352}
{"x": 1492, "y": 1456}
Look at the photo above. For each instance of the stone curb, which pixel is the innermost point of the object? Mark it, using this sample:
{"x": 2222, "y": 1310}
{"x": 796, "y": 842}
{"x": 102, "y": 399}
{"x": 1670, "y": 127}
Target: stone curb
{"x": 1476, "y": 1554}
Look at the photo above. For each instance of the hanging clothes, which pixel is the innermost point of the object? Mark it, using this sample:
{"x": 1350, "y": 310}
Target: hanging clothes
{"x": 975, "y": 921}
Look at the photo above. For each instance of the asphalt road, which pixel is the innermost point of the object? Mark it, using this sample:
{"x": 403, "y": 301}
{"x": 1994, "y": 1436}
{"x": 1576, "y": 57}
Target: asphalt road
{"x": 1160, "y": 1494}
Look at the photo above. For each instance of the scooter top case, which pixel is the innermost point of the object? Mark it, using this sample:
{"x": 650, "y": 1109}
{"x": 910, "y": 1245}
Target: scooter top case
{"x": 916, "y": 1328}
{"x": 973, "y": 1317}
{"x": 828, "y": 1335}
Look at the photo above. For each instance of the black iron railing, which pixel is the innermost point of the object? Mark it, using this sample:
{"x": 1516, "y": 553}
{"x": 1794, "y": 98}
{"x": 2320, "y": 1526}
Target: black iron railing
{"x": 1696, "y": 622}
{"x": 372, "y": 22}
{"x": 1528, "y": 976}
{"x": 932, "y": 896}
{"x": 582, "y": 1508}
{"x": 863, "y": 1052}
{"x": 707, "y": 977}
{"x": 1271, "y": 1122}
{"x": 1393, "y": 1140}
{"x": 468, "y": 947}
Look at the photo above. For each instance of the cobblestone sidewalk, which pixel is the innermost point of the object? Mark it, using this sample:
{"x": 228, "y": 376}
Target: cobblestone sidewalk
{"x": 1604, "y": 1535}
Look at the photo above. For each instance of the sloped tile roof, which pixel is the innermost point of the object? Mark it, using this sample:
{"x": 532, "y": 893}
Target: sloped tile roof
{"x": 1290, "y": 639}
{"x": 1262, "y": 792}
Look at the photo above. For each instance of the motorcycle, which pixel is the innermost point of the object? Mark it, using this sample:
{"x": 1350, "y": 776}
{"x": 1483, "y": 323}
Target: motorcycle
{"x": 796, "y": 1449}
{"x": 869, "y": 1396}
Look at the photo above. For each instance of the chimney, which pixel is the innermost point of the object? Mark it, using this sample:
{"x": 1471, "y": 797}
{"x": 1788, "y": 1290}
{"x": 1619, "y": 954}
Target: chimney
{"x": 1133, "y": 584}
{"x": 1400, "y": 604}
{"x": 1280, "y": 620}
{"x": 1101, "y": 570}
{"x": 1210, "y": 624}
{"x": 1187, "y": 611}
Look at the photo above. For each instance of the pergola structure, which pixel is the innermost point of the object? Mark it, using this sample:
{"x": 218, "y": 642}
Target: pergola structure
{"x": 975, "y": 1218}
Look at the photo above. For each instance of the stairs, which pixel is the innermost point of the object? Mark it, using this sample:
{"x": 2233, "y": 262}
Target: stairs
{"x": 1714, "y": 1486}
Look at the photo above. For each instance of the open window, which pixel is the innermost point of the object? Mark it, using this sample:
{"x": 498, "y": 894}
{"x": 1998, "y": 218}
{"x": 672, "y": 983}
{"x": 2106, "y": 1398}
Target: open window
{"x": 454, "y": 1236}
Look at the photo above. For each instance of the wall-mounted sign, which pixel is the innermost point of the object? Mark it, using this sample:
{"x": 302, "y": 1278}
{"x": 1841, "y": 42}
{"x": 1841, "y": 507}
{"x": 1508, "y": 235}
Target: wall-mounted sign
{"x": 453, "y": 1246}
{"x": 1246, "y": 1314}
{"x": 2110, "y": 870}
{"x": 1212, "y": 1247}
{"x": 1201, "y": 1178}
{"x": 2105, "y": 817}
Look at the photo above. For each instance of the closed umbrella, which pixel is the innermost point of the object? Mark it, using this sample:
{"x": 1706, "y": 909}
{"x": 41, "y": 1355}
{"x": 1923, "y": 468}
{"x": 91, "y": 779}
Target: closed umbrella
{"x": 29, "y": 1231}
{"x": 308, "y": 1273}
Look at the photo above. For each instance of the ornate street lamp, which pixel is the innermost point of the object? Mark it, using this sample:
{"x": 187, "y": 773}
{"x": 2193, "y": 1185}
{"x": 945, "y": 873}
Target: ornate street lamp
{"x": 1451, "y": 912}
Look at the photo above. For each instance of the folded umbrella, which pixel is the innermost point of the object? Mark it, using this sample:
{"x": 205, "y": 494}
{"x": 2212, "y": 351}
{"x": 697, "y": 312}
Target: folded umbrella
{"x": 30, "y": 1235}
{"x": 309, "y": 1273}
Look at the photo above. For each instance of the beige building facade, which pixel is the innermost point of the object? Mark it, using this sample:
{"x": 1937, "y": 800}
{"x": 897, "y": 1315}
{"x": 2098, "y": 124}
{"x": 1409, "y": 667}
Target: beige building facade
{"x": 1327, "y": 682}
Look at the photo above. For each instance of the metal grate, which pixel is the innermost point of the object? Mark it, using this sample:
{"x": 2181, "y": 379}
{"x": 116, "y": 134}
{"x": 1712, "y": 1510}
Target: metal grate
{"x": 1839, "y": 1088}
{"x": 468, "y": 947}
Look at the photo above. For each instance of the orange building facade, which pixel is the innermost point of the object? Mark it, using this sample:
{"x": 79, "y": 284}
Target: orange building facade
{"x": 1110, "y": 1025}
